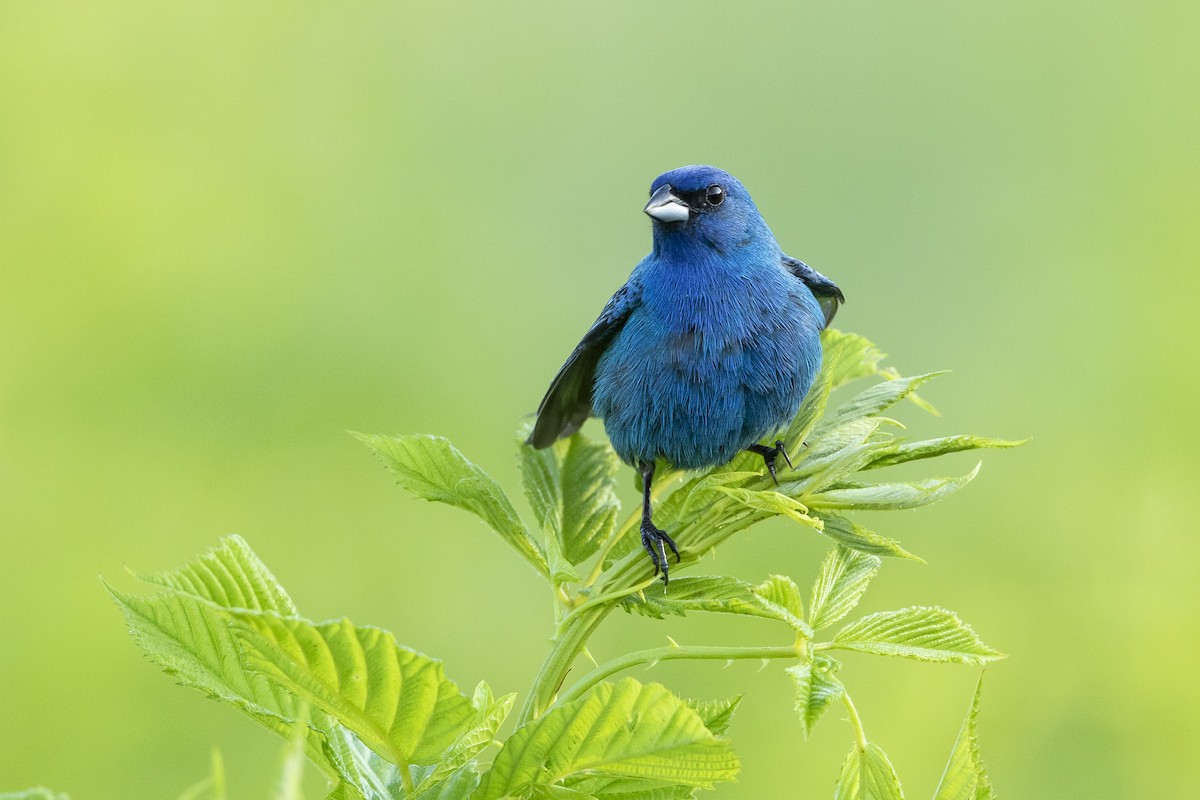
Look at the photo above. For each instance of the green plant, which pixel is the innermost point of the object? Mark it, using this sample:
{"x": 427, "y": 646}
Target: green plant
{"x": 383, "y": 722}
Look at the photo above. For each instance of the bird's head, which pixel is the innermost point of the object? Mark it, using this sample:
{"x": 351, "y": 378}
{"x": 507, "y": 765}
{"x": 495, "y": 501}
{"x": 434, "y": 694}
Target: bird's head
{"x": 706, "y": 203}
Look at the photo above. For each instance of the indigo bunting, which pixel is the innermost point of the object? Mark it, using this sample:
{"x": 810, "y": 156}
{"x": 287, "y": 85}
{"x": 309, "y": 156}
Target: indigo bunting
{"x": 709, "y": 346}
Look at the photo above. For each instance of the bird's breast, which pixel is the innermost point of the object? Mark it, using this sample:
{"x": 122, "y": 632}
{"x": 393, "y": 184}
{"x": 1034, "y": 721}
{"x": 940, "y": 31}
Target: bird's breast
{"x": 702, "y": 317}
{"x": 697, "y": 373}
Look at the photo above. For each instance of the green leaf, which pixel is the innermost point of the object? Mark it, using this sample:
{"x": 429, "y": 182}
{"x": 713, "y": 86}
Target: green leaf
{"x": 396, "y": 700}
{"x": 362, "y": 769}
{"x": 589, "y": 488}
{"x": 458, "y": 785}
{"x": 844, "y": 576}
{"x": 696, "y": 495}
{"x": 965, "y": 777}
{"x": 230, "y": 575}
{"x": 541, "y": 483}
{"x": 839, "y": 452}
{"x": 848, "y": 356}
{"x": 629, "y": 789}
{"x": 540, "y": 791}
{"x": 782, "y": 596}
{"x": 717, "y": 714}
{"x": 561, "y": 571}
{"x": 811, "y": 409}
{"x": 191, "y": 639}
{"x": 188, "y": 634}
{"x": 816, "y": 688}
{"x": 344, "y": 791}
{"x": 924, "y": 633}
{"x": 931, "y": 448}
{"x": 716, "y": 593}
{"x": 481, "y": 732}
{"x": 618, "y": 730}
{"x": 667, "y": 792}
{"x": 873, "y": 400}
{"x": 37, "y": 793}
{"x": 856, "y": 537}
{"x": 868, "y": 775}
{"x": 719, "y": 593}
{"x": 889, "y": 496}
{"x": 771, "y": 502}
{"x": 432, "y": 468}
{"x": 572, "y": 488}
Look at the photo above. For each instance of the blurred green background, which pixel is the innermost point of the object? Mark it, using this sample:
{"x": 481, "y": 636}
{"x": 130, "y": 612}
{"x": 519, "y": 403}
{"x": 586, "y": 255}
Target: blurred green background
{"x": 229, "y": 232}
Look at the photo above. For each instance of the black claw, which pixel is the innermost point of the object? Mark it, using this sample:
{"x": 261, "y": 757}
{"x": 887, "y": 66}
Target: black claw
{"x": 769, "y": 454}
{"x": 671, "y": 544}
{"x": 784, "y": 453}
{"x": 656, "y": 541}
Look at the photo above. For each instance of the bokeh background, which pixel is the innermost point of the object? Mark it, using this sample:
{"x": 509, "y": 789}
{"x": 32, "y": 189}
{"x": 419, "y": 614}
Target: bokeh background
{"x": 230, "y": 232}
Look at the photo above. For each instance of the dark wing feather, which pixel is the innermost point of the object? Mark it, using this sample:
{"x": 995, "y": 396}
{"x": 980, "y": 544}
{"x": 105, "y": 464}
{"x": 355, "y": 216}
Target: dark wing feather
{"x": 568, "y": 401}
{"x": 826, "y": 291}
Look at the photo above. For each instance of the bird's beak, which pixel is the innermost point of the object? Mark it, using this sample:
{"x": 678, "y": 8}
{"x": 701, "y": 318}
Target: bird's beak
{"x": 666, "y": 207}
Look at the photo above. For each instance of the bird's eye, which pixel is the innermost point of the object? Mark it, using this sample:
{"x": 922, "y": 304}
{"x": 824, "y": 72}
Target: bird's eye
{"x": 715, "y": 195}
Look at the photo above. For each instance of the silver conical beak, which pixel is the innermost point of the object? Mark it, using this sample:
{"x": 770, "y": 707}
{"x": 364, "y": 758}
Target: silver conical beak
{"x": 666, "y": 207}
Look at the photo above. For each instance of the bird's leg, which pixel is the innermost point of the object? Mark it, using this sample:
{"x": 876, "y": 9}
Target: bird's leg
{"x": 769, "y": 455}
{"x": 654, "y": 539}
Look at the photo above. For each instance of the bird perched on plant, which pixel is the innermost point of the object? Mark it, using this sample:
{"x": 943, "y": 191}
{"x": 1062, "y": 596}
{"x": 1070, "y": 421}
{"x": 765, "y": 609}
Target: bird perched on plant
{"x": 709, "y": 347}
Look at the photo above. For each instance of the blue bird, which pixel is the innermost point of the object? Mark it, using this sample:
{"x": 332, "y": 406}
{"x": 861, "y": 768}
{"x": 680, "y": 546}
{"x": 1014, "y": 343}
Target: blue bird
{"x": 709, "y": 347}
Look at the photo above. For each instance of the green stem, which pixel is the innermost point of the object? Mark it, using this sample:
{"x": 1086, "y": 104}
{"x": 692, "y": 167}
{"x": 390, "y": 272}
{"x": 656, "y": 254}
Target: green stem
{"x": 218, "y": 775}
{"x": 671, "y": 653}
{"x": 562, "y": 603}
{"x": 573, "y": 634}
{"x": 578, "y": 624}
{"x": 606, "y": 599}
{"x": 406, "y": 778}
{"x": 855, "y": 720}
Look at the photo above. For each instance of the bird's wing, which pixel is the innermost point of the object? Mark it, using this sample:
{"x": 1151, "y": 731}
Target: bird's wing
{"x": 826, "y": 291}
{"x": 568, "y": 401}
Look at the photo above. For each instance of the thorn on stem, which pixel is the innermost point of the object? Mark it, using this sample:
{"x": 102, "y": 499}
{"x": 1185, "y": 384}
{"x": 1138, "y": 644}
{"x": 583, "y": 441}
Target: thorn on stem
{"x": 588, "y": 653}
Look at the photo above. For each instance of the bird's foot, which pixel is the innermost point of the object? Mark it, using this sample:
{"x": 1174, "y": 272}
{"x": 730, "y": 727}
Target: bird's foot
{"x": 769, "y": 454}
{"x": 656, "y": 541}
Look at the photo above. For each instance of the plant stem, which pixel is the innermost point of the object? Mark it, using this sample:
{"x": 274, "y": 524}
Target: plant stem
{"x": 670, "y": 653}
{"x": 406, "y": 778}
{"x": 578, "y": 624}
{"x": 573, "y": 633}
{"x": 609, "y": 598}
{"x": 855, "y": 720}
